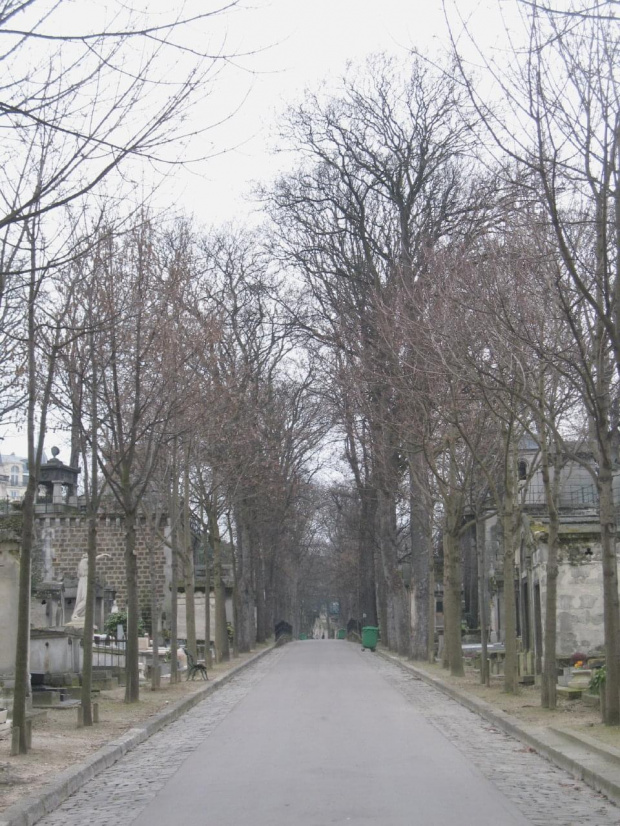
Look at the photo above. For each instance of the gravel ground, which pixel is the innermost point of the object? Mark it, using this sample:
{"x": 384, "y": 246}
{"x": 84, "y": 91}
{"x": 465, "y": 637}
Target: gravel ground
{"x": 525, "y": 706}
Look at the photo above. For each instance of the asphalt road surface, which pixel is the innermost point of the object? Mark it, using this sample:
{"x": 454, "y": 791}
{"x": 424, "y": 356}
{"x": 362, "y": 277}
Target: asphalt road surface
{"x": 320, "y": 733}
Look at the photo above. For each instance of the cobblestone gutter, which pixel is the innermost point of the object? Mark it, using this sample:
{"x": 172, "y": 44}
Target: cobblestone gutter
{"x": 26, "y": 813}
{"x": 595, "y": 763}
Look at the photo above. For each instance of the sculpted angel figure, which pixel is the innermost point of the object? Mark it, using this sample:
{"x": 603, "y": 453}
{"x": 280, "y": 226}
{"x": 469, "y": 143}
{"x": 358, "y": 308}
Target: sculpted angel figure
{"x": 80, "y": 598}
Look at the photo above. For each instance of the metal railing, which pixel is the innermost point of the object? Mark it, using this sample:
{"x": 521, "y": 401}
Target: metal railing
{"x": 108, "y": 652}
{"x": 6, "y": 507}
{"x": 572, "y": 495}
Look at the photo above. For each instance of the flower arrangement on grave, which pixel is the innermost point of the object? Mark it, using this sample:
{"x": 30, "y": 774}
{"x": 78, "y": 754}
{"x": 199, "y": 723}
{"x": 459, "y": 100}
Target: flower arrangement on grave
{"x": 579, "y": 659}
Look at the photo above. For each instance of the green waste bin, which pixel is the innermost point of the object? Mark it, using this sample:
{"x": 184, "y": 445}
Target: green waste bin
{"x": 342, "y": 633}
{"x": 303, "y": 636}
{"x": 370, "y": 636}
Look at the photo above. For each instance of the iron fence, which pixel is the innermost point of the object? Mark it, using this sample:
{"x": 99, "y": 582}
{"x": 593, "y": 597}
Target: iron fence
{"x": 108, "y": 652}
{"x": 572, "y": 495}
{"x": 5, "y": 507}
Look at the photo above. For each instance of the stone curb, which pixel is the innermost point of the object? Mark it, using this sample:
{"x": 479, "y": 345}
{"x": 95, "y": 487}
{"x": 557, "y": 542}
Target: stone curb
{"x": 535, "y": 738}
{"x": 609, "y": 752}
{"x": 27, "y": 813}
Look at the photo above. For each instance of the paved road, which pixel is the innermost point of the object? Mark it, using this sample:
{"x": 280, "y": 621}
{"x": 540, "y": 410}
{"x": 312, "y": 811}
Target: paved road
{"x": 320, "y": 733}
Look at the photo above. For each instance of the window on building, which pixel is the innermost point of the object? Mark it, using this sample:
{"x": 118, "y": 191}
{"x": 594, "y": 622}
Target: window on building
{"x": 15, "y": 475}
{"x": 522, "y": 470}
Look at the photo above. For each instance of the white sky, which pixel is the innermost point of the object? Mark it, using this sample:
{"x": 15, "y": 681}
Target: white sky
{"x": 301, "y": 43}
{"x": 298, "y": 43}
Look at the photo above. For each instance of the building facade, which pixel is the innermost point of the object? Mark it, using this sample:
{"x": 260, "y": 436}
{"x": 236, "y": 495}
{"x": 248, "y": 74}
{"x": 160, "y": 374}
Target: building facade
{"x": 579, "y": 617}
{"x": 13, "y": 477}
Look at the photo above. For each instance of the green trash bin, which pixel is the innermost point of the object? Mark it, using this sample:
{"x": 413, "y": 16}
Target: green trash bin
{"x": 370, "y": 637}
{"x": 303, "y": 636}
{"x": 342, "y": 633}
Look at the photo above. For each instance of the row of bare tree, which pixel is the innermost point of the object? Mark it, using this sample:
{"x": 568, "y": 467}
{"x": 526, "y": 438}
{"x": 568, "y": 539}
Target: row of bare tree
{"x": 164, "y": 351}
{"x": 439, "y": 276}
{"x": 457, "y": 259}
{"x": 189, "y": 407}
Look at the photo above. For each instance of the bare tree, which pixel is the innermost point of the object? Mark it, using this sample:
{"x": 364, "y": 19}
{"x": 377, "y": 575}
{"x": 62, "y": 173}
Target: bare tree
{"x": 102, "y": 94}
{"x": 89, "y": 105}
{"x": 561, "y": 124}
{"x": 138, "y": 395}
{"x": 381, "y": 182}
{"x": 45, "y": 337}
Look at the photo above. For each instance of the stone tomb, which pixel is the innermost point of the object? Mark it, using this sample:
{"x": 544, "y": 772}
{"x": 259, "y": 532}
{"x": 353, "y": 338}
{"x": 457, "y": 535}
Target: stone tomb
{"x": 9, "y": 596}
{"x": 56, "y": 655}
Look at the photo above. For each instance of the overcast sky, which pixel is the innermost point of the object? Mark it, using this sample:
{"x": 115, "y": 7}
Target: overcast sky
{"x": 300, "y": 43}
{"x": 293, "y": 45}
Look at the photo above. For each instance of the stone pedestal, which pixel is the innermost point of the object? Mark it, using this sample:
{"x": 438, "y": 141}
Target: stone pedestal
{"x": 47, "y": 606}
{"x": 57, "y": 492}
{"x": 55, "y": 651}
{"x": 9, "y": 599}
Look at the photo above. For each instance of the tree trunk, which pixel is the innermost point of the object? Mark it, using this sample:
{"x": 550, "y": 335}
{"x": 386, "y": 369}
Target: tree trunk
{"x": 452, "y": 603}
{"x": 367, "y": 542}
{"x": 174, "y": 607}
{"x": 259, "y": 592}
{"x": 89, "y": 611}
{"x": 548, "y": 686}
{"x": 89, "y": 617}
{"x": 247, "y": 633}
{"x": 398, "y": 623}
{"x": 510, "y": 610}
{"x": 188, "y": 565}
{"x": 419, "y": 522}
{"x": 294, "y": 605}
{"x": 207, "y": 617}
{"x": 235, "y": 596}
{"x": 432, "y": 607}
{"x": 155, "y": 669}
{"x": 174, "y": 571}
{"x": 190, "y": 602}
{"x": 607, "y": 458}
{"x": 381, "y": 599}
{"x": 222, "y": 651}
{"x": 270, "y": 591}
{"x": 132, "y": 686}
{"x": 21, "y": 689}
{"x": 610, "y": 593}
{"x": 482, "y": 598}
{"x": 452, "y": 568}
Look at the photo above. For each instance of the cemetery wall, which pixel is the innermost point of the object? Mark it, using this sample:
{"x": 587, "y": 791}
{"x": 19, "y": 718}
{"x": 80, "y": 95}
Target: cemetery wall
{"x": 199, "y": 608}
{"x": 580, "y": 626}
{"x": 63, "y": 541}
{"x": 9, "y": 596}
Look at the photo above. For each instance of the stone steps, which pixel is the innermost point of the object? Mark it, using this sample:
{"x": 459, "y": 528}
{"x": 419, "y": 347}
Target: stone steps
{"x": 569, "y": 692}
{"x": 104, "y": 680}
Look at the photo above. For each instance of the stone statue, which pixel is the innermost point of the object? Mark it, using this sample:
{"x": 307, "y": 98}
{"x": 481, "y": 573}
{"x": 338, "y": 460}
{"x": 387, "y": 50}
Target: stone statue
{"x": 79, "y": 610}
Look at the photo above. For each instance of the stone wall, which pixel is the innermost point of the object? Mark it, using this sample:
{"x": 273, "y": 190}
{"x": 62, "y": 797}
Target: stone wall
{"x": 199, "y": 607}
{"x": 63, "y": 541}
{"x": 580, "y": 602}
{"x": 580, "y": 595}
{"x": 9, "y": 597}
